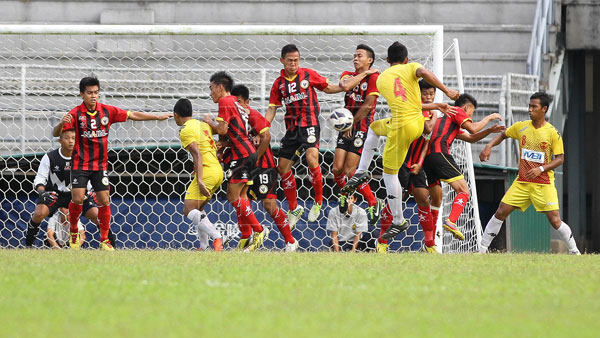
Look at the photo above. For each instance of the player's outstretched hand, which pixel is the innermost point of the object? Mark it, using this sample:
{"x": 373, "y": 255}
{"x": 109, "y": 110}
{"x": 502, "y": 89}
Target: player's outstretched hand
{"x": 164, "y": 116}
{"x": 415, "y": 168}
{"x": 495, "y": 116}
{"x": 484, "y": 156}
{"x": 203, "y": 189}
{"x": 66, "y": 119}
{"x": 498, "y": 128}
{"x": 208, "y": 119}
{"x": 447, "y": 109}
{"x": 372, "y": 71}
{"x": 48, "y": 197}
{"x": 453, "y": 94}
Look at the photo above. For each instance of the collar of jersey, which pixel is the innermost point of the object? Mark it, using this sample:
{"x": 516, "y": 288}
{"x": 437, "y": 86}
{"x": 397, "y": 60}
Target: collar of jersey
{"x": 89, "y": 112}
{"x": 290, "y": 78}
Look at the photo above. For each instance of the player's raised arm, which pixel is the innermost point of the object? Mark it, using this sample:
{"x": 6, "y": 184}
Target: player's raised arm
{"x": 472, "y": 138}
{"x": 67, "y": 118}
{"x": 484, "y": 156}
{"x": 434, "y": 81}
{"x": 219, "y": 126}
{"x": 348, "y": 82}
{"x": 475, "y": 127}
{"x": 139, "y": 116}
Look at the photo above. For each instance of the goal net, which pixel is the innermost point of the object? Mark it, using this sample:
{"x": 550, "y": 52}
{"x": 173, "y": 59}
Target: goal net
{"x": 147, "y": 68}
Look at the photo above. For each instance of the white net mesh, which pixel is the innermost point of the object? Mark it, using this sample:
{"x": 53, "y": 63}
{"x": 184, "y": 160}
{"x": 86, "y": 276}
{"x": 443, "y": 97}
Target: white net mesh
{"x": 148, "y": 170}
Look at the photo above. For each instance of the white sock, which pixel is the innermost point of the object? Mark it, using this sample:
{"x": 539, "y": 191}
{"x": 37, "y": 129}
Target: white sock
{"x": 491, "y": 231}
{"x": 394, "y": 196}
{"x": 369, "y": 149}
{"x": 203, "y": 238}
{"x": 203, "y": 223}
{"x": 565, "y": 232}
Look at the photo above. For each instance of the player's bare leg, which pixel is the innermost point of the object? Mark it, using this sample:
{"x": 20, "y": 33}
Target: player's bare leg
{"x": 193, "y": 210}
{"x": 316, "y": 179}
{"x": 246, "y": 218}
{"x": 288, "y": 182}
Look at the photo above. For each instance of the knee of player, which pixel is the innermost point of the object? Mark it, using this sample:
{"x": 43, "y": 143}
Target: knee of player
{"x": 38, "y": 216}
{"x": 270, "y": 205}
{"x": 554, "y": 220}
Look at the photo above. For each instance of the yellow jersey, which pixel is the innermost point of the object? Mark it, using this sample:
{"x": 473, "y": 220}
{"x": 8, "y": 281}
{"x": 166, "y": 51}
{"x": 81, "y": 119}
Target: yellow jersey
{"x": 201, "y": 133}
{"x": 536, "y": 147}
{"x": 399, "y": 85}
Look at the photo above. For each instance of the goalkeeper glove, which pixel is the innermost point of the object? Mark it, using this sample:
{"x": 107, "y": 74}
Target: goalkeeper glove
{"x": 48, "y": 197}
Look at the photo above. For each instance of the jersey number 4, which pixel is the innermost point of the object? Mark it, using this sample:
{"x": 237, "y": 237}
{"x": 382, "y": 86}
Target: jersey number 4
{"x": 399, "y": 89}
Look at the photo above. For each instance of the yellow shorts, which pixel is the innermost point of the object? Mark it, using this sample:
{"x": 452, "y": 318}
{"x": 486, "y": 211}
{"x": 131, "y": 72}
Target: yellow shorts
{"x": 543, "y": 196}
{"x": 398, "y": 140}
{"x": 212, "y": 178}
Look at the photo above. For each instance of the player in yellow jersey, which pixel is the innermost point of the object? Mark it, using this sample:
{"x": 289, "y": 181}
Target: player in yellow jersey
{"x": 399, "y": 85}
{"x": 196, "y": 138}
{"x": 538, "y": 142}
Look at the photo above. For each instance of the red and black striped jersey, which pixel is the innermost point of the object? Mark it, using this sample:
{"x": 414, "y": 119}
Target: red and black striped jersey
{"x": 299, "y": 97}
{"x": 354, "y": 98}
{"x": 91, "y": 134}
{"x": 416, "y": 147}
{"x": 445, "y": 130}
{"x": 236, "y": 117}
{"x": 258, "y": 125}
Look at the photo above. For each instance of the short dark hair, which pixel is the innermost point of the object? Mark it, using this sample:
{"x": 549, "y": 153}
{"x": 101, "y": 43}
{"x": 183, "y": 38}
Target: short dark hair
{"x": 289, "y": 48}
{"x": 370, "y": 52}
{"x": 425, "y": 85}
{"x": 463, "y": 99}
{"x": 397, "y": 52}
{"x": 241, "y": 90}
{"x": 88, "y": 81}
{"x": 183, "y": 108}
{"x": 544, "y": 98}
{"x": 62, "y": 132}
{"x": 222, "y": 78}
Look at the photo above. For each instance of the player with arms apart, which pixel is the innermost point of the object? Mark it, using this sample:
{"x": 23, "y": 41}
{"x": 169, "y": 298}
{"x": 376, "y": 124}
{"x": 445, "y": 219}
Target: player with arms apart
{"x": 360, "y": 98}
{"x": 264, "y": 178}
{"x": 539, "y": 142}
{"x": 197, "y": 138}
{"x": 91, "y": 121}
{"x": 399, "y": 86}
{"x": 52, "y": 183}
{"x": 232, "y": 122}
{"x": 295, "y": 88}
{"x": 347, "y": 227}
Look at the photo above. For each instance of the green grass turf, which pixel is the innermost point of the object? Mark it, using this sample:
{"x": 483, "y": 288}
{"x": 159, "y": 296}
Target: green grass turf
{"x": 174, "y": 293}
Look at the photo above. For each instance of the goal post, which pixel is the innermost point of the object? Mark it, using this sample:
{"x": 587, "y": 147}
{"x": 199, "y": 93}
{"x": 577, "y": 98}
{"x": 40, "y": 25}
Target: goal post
{"x": 147, "y": 68}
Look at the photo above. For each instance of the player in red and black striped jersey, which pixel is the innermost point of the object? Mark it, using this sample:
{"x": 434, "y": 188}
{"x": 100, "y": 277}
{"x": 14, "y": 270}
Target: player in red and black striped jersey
{"x": 439, "y": 163}
{"x": 91, "y": 122}
{"x": 264, "y": 178}
{"x": 233, "y": 123}
{"x": 360, "y": 98}
{"x": 295, "y": 88}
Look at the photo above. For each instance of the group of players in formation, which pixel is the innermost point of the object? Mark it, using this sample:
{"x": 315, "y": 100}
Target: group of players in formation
{"x": 416, "y": 154}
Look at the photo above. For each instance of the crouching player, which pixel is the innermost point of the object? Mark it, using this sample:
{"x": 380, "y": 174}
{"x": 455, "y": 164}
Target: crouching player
{"x": 196, "y": 138}
{"x": 538, "y": 142}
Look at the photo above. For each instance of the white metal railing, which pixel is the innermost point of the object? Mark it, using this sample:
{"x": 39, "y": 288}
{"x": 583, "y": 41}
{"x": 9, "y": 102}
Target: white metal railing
{"x": 538, "y": 46}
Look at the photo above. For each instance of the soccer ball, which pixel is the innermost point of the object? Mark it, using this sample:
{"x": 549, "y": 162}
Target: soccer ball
{"x": 341, "y": 119}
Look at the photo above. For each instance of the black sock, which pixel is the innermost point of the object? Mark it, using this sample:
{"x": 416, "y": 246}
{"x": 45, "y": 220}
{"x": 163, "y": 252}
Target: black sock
{"x": 32, "y": 231}
{"x": 112, "y": 238}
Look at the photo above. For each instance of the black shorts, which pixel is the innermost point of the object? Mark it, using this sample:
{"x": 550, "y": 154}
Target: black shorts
{"x": 98, "y": 178}
{"x": 264, "y": 184}
{"x": 440, "y": 166}
{"x": 307, "y": 137}
{"x": 63, "y": 201}
{"x": 411, "y": 181}
{"x": 353, "y": 144}
{"x": 238, "y": 171}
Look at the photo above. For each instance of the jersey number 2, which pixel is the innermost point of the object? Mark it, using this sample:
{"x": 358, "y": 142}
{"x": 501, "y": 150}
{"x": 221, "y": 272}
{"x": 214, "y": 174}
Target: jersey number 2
{"x": 399, "y": 89}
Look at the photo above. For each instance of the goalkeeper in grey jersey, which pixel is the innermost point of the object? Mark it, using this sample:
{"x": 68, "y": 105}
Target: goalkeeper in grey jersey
{"x": 52, "y": 183}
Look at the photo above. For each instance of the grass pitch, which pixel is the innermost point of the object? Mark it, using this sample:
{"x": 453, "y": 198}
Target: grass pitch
{"x": 174, "y": 293}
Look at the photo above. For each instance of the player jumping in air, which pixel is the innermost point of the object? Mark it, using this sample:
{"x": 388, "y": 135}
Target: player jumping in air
{"x": 91, "y": 121}
{"x": 361, "y": 97}
{"x": 264, "y": 187}
{"x": 399, "y": 86}
{"x": 232, "y": 122}
{"x": 197, "y": 138}
{"x": 295, "y": 88}
{"x": 539, "y": 142}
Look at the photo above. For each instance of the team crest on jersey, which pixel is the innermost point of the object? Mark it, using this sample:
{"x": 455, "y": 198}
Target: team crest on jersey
{"x": 104, "y": 120}
{"x": 358, "y": 142}
{"x": 304, "y": 84}
{"x": 311, "y": 139}
{"x": 363, "y": 86}
{"x": 544, "y": 145}
{"x": 82, "y": 118}
{"x": 105, "y": 180}
{"x": 263, "y": 189}
{"x": 228, "y": 173}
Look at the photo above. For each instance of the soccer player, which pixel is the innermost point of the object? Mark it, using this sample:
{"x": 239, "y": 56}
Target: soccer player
{"x": 439, "y": 164}
{"x": 232, "y": 122}
{"x": 197, "y": 138}
{"x": 264, "y": 187}
{"x": 360, "y": 98}
{"x": 91, "y": 121}
{"x": 57, "y": 233}
{"x": 539, "y": 142}
{"x": 295, "y": 88}
{"x": 346, "y": 228}
{"x": 399, "y": 86}
{"x": 52, "y": 183}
